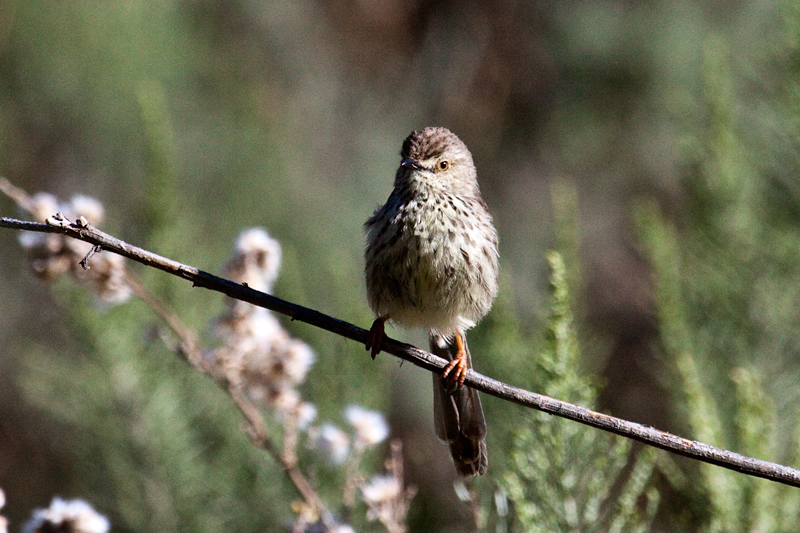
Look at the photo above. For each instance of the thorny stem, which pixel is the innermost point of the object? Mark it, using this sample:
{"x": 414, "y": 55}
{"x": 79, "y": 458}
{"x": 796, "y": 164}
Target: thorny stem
{"x": 632, "y": 430}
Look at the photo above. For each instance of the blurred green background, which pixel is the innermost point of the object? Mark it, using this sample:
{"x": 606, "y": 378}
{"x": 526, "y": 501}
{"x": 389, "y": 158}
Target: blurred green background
{"x": 192, "y": 120}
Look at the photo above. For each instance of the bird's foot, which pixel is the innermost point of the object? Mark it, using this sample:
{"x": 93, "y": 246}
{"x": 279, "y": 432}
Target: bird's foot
{"x": 375, "y": 338}
{"x": 456, "y": 369}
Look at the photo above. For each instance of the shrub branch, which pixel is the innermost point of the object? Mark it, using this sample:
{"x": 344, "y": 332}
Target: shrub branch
{"x": 84, "y": 231}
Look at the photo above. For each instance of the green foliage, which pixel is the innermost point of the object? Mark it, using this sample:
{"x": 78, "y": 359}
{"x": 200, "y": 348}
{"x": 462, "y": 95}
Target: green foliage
{"x": 727, "y": 278}
{"x": 726, "y": 282}
{"x": 735, "y": 270}
{"x": 563, "y": 476}
{"x": 746, "y": 422}
{"x": 160, "y": 210}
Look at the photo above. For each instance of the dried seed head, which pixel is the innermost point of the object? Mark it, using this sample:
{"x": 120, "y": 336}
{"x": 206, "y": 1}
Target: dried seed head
{"x": 75, "y": 516}
{"x": 370, "y": 426}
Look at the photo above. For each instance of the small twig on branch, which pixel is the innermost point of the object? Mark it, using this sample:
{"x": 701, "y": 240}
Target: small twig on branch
{"x": 632, "y": 430}
{"x": 85, "y": 261}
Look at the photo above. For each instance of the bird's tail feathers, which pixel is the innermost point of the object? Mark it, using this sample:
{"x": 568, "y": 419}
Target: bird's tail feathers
{"x": 458, "y": 414}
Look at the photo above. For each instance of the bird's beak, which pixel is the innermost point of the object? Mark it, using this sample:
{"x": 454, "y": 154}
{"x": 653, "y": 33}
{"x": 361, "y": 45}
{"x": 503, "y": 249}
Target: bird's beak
{"x": 411, "y": 164}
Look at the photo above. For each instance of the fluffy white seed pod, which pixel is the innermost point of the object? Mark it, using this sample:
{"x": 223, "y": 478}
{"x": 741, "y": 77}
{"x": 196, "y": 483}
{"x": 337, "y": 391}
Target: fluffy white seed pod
{"x": 370, "y": 426}
{"x": 74, "y": 516}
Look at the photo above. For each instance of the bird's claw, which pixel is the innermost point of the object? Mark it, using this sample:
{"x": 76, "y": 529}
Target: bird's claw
{"x": 456, "y": 370}
{"x": 375, "y": 337}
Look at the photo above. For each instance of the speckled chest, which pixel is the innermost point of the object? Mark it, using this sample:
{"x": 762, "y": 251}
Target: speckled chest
{"x": 427, "y": 258}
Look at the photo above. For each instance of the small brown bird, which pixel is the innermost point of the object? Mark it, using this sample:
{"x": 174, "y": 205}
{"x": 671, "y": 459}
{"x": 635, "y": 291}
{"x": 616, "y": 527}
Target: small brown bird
{"x": 431, "y": 262}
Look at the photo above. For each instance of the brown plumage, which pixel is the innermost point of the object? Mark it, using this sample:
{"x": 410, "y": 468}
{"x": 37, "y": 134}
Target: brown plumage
{"x": 432, "y": 262}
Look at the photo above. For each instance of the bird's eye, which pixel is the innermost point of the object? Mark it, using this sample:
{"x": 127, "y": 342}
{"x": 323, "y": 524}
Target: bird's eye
{"x": 444, "y": 164}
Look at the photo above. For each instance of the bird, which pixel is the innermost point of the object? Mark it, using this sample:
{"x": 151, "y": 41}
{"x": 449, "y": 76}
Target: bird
{"x": 431, "y": 261}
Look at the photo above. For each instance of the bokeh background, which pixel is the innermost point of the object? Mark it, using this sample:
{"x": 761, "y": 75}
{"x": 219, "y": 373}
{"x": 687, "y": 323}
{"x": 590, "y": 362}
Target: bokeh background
{"x": 192, "y": 120}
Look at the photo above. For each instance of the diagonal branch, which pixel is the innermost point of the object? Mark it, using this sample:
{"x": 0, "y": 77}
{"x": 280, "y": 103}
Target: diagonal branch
{"x": 189, "y": 349}
{"x": 632, "y": 430}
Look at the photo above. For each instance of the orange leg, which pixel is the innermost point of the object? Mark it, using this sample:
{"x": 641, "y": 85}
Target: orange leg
{"x": 375, "y": 338}
{"x": 458, "y": 366}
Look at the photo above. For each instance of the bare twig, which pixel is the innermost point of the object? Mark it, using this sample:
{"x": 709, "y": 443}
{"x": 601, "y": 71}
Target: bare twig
{"x": 20, "y": 196}
{"x": 85, "y": 261}
{"x": 648, "y": 435}
{"x": 189, "y": 346}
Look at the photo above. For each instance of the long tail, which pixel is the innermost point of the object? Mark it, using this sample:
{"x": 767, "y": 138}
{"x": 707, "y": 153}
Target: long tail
{"x": 458, "y": 414}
